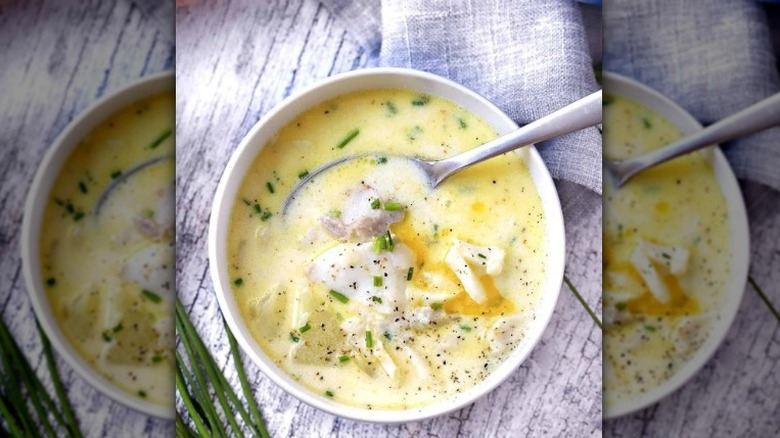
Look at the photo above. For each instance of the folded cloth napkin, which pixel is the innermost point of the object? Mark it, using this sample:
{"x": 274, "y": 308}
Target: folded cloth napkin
{"x": 712, "y": 57}
{"x": 526, "y": 56}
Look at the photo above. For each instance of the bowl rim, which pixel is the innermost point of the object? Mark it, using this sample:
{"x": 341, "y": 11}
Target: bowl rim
{"x": 269, "y": 124}
{"x": 739, "y": 244}
{"x": 37, "y": 195}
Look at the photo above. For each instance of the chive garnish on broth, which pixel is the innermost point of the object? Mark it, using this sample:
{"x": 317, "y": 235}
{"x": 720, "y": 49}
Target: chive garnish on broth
{"x": 115, "y": 174}
{"x": 375, "y": 298}
{"x": 117, "y": 328}
{"x": 465, "y": 328}
{"x": 375, "y": 204}
{"x": 151, "y": 296}
{"x": 380, "y": 243}
{"x": 422, "y": 100}
{"x": 269, "y": 186}
{"x": 329, "y": 393}
{"x": 305, "y": 328}
{"x": 392, "y": 206}
{"x": 339, "y": 296}
{"x": 409, "y": 274}
{"x": 303, "y": 174}
{"x": 343, "y": 358}
{"x": 381, "y": 160}
{"x": 294, "y": 338}
{"x": 482, "y": 256}
{"x": 51, "y": 281}
{"x": 369, "y": 339}
{"x": 437, "y": 305}
{"x": 160, "y": 139}
{"x": 83, "y": 187}
{"x": 378, "y": 282}
{"x": 350, "y": 136}
{"x": 391, "y": 108}
{"x": 239, "y": 281}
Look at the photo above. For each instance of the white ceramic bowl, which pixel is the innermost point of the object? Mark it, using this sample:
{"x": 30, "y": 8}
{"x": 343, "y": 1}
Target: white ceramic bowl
{"x": 335, "y": 86}
{"x": 34, "y": 209}
{"x": 738, "y": 234}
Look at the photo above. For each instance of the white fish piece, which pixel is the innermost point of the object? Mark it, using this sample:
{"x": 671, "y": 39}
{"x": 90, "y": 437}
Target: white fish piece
{"x": 358, "y": 220}
{"x": 690, "y": 333}
{"x": 419, "y": 365}
{"x": 649, "y": 274}
{"x": 485, "y": 259}
{"x": 152, "y": 268}
{"x": 504, "y": 333}
{"x": 384, "y": 358}
{"x": 675, "y": 258}
{"x": 466, "y": 275}
{"x": 350, "y": 269}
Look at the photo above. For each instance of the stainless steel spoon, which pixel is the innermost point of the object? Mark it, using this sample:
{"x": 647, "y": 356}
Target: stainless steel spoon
{"x": 124, "y": 176}
{"x": 757, "y": 117}
{"x": 578, "y": 115}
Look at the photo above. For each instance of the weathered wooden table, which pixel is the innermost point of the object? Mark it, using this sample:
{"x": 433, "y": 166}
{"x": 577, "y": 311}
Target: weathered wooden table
{"x": 56, "y": 59}
{"x": 235, "y": 61}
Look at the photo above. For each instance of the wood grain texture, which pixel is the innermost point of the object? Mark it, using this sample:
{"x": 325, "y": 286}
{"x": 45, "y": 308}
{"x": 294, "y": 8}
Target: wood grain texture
{"x": 737, "y": 393}
{"x": 57, "y": 58}
{"x": 235, "y": 61}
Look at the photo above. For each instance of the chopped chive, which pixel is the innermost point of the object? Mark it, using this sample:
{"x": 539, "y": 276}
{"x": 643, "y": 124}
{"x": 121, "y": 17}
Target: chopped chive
{"x": 294, "y": 338}
{"x": 142, "y": 393}
{"x": 650, "y": 328}
{"x": 381, "y": 160}
{"x": 329, "y": 393}
{"x": 482, "y": 256}
{"x": 343, "y": 358}
{"x": 462, "y": 123}
{"x": 389, "y": 244}
{"x": 437, "y": 305}
{"x": 391, "y": 108}
{"x": 151, "y": 296}
{"x": 304, "y": 174}
{"x": 378, "y": 282}
{"x": 422, "y": 100}
{"x": 157, "y": 358}
{"x": 387, "y": 335}
{"x": 78, "y": 216}
{"x": 666, "y": 256}
{"x": 51, "y": 281}
{"x": 351, "y": 136}
{"x": 409, "y": 274}
{"x": 239, "y": 281}
{"x": 376, "y": 299}
{"x": 380, "y": 243}
{"x": 258, "y": 208}
{"x": 82, "y": 187}
{"x": 335, "y": 213}
{"x": 369, "y": 339}
{"x": 465, "y": 328}
{"x": 246, "y": 201}
{"x": 269, "y": 186}
{"x": 305, "y": 328}
{"x": 158, "y": 141}
{"x": 115, "y": 174}
{"x": 375, "y": 204}
{"x": 266, "y": 215}
{"x": 392, "y": 206}
{"x": 107, "y": 337}
{"x": 621, "y": 305}
{"x": 69, "y": 208}
{"x": 117, "y": 328}
{"x": 339, "y": 296}
{"x": 647, "y": 123}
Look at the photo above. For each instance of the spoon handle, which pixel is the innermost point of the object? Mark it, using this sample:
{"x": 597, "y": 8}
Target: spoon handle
{"x": 757, "y": 117}
{"x": 578, "y": 115}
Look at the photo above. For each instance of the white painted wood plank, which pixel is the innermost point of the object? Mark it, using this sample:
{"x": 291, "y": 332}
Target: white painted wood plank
{"x": 57, "y": 58}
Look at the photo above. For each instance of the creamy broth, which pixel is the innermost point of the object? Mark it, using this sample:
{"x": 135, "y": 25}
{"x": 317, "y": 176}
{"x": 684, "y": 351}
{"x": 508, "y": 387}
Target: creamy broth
{"x": 374, "y": 290}
{"x": 109, "y": 277}
{"x": 666, "y": 256}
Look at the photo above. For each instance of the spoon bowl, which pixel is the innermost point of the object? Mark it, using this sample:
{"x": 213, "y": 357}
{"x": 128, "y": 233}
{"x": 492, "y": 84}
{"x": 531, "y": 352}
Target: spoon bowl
{"x": 581, "y": 114}
{"x": 757, "y": 117}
